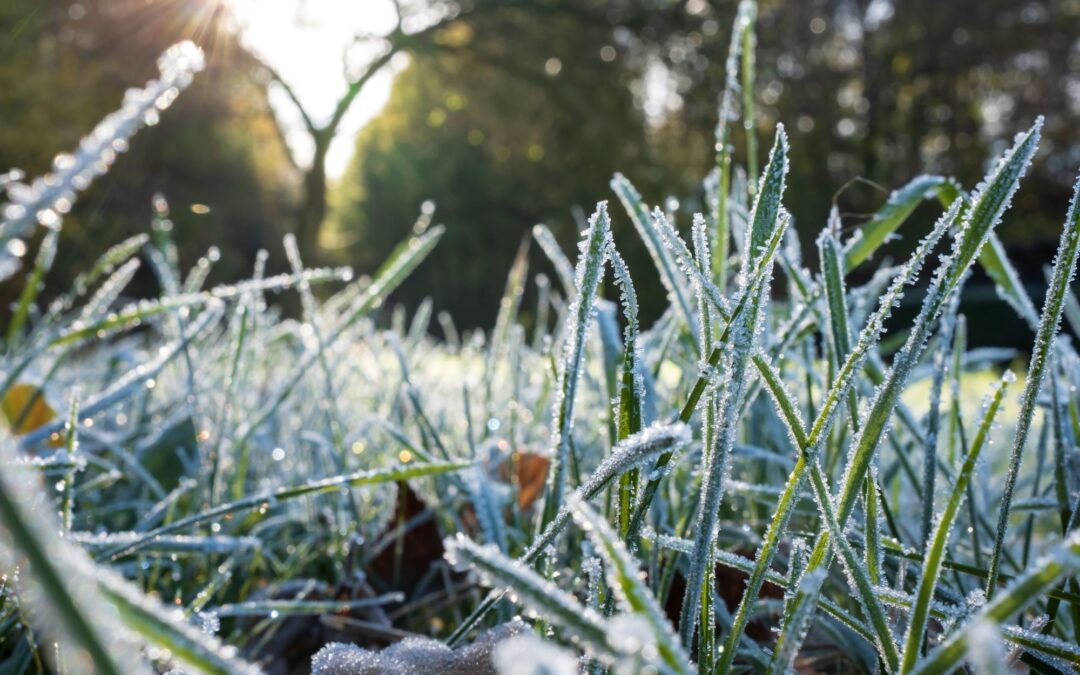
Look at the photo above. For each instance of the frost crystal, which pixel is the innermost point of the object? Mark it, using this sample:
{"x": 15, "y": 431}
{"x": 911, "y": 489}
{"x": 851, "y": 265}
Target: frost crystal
{"x": 419, "y": 656}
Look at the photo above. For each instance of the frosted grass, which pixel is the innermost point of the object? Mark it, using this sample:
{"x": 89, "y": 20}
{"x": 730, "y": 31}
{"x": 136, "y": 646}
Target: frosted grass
{"x": 206, "y": 422}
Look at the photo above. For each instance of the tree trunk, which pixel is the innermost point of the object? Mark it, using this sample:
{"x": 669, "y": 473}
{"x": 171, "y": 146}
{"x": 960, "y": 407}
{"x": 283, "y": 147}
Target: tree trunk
{"x": 313, "y": 206}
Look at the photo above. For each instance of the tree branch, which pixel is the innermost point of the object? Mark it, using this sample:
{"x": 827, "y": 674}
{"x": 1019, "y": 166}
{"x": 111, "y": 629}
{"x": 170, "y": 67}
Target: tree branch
{"x": 291, "y": 93}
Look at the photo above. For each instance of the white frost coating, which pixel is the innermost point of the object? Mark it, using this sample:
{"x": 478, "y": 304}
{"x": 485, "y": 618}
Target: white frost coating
{"x": 1064, "y": 268}
{"x": 768, "y": 221}
{"x": 985, "y": 650}
{"x": 109, "y": 291}
{"x": 487, "y": 504}
{"x": 743, "y": 17}
{"x": 536, "y": 594}
{"x": 767, "y": 208}
{"x": 163, "y": 626}
{"x": 130, "y": 382}
{"x": 798, "y": 623}
{"x": 419, "y": 655}
{"x": 634, "y": 451}
{"x": 991, "y": 198}
{"x": 686, "y": 260}
{"x": 47, "y": 198}
{"x": 629, "y": 301}
{"x": 529, "y": 655}
{"x": 173, "y": 544}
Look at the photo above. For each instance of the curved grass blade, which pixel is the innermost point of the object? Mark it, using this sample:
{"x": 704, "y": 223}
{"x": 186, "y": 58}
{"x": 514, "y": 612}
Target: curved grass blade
{"x": 42, "y": 264}
{"x": 56, "y": 580}
{"x": 632, "y": 453}
{"x": 888, "y": 219}
{"x": 631, "y": 592}
{"x": 113, "y": 258}
{"x": 535, "y": 592}
{"x": 46, "y": 199}
{"x": 168, "y": 630}
{"x": 563, "y": 268}
{"x": 995, "y": 262}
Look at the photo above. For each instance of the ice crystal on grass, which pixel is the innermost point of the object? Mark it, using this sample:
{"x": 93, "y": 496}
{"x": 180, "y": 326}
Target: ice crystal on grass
{"x": 420, "y": 656}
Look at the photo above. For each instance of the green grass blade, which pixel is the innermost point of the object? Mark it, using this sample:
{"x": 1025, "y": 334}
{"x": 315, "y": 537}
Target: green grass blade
{"x": 990, "y": 201}
{"x": 536, "y": 593}
{"x": 42, "y": 264}
{"x": 864, "y": 587}
{"x": 268, "y": 499}
{"x": 748, "y": 11}
{"x": 554, "y": 252}
{"x": 935, "y": 552}
{"x": 56, "y": 579}
{"x": 158, "y": 626}
{"x": 654, "y": 242}
{"x": 767, "y": 220}
{"x": 630, "y": 454}
{"x": 995, "y": 262}
{"x": 899, "y": 207}
{"x": 766, "y": 213}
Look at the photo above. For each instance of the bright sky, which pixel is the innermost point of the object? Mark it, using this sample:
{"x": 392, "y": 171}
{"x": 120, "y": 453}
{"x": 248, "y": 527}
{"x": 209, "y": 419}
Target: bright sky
{"x": 304, "y": 40}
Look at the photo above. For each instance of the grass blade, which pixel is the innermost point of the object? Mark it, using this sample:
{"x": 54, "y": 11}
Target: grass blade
{"x": 936, "y": 549}
{"x": 1064, "y": 268}
{"x": 654, "y": 242}
{"x": 590, "y": 271}
{"x": 1059, "y": 561}
{"x": 631, "y": 592}
{"x": 888, "y": 219}
{"x": 267, "y": 499}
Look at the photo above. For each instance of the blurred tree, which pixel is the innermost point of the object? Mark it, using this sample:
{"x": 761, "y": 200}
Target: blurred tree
{"x": 886, "y": 90}
{"x": 424, "y": 27}
{"x": 535, "y": 123}
{"x": 216, "y": 155}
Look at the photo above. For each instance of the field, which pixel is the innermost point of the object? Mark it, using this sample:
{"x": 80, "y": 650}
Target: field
{"x": 772, "y": 477}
